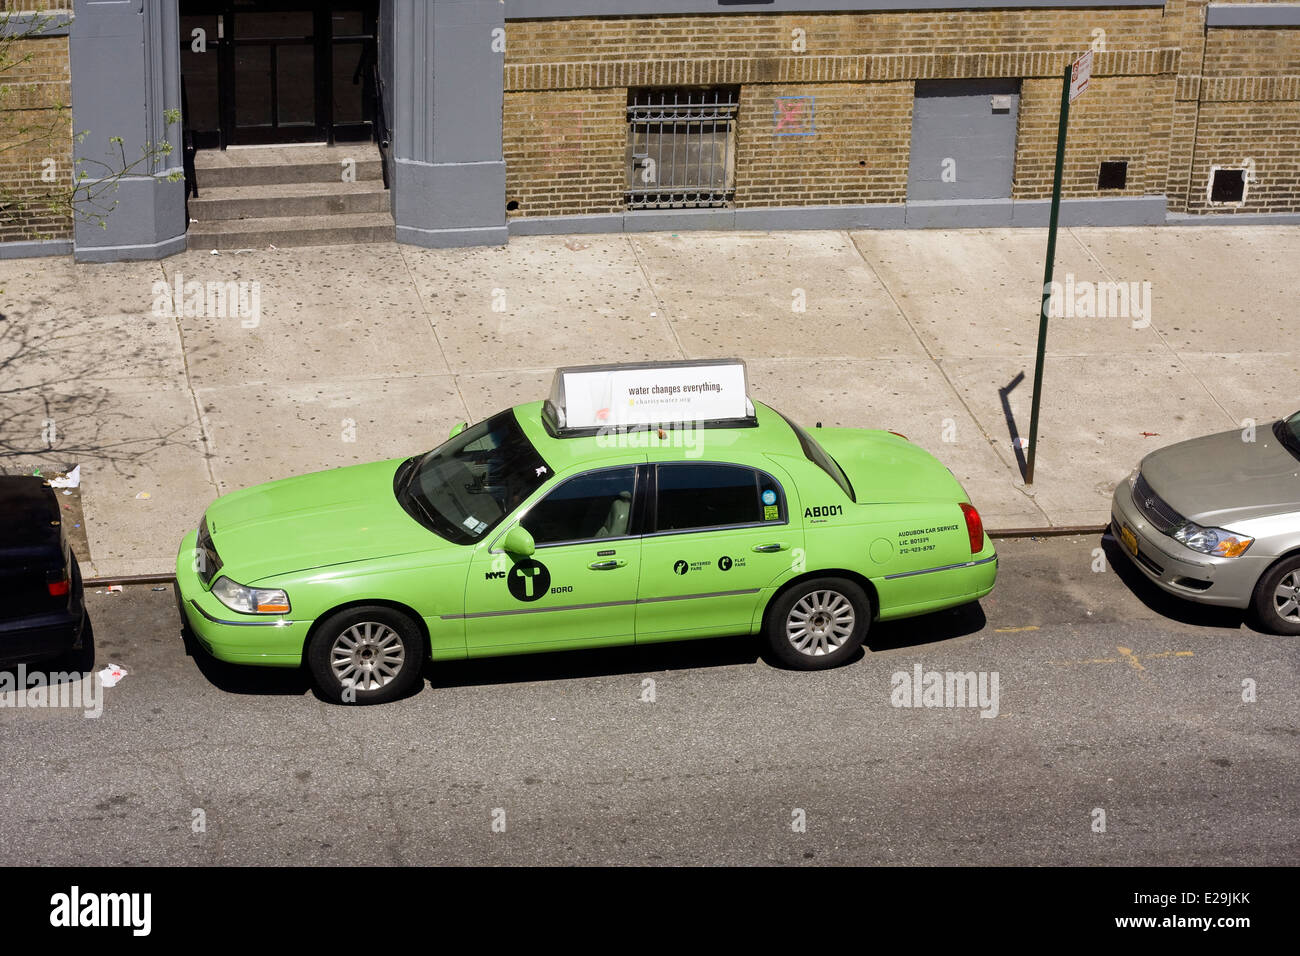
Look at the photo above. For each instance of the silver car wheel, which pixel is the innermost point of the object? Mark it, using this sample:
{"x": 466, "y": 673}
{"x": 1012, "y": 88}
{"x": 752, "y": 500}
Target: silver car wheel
{"x": 367, "y": 656}
{"x": 820, "y": 622}
{"x": 1286, "y": 598}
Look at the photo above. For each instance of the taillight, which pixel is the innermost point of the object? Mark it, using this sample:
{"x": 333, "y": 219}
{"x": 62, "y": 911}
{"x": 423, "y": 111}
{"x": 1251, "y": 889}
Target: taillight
{"x": 57, "y": 583}
{"x": 974, "y": 527}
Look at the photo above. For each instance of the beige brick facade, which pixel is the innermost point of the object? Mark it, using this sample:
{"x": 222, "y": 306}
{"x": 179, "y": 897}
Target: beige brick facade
{"x": 36, "y": 143}
{"x": 1167, "y": 97}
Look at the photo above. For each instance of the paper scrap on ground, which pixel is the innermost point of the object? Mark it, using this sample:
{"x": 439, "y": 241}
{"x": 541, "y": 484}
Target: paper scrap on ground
{"x": 71, "y": 480}
{"x": 111, "y": 674}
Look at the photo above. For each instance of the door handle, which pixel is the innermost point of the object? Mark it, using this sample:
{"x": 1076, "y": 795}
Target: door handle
{"x": 770, "y": 548}
{"x": 606, "y": 565}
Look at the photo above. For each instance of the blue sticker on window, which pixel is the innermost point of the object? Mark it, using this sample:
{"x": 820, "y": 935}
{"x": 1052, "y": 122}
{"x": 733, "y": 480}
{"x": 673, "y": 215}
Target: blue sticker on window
{"x": 769, "y": 497}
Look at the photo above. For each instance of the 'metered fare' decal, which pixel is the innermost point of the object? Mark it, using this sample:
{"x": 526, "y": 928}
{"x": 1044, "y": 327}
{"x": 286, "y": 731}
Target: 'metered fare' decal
{"x": 917, "y": 540}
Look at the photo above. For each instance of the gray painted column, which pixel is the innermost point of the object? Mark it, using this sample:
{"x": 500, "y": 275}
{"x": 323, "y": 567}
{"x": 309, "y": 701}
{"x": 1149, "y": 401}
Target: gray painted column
{"x": 449, "y": 181}
{"x": 125, "y": 74}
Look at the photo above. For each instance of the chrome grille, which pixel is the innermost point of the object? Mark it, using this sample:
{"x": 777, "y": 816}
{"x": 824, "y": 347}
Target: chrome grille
{"x": 1154, "y": 508}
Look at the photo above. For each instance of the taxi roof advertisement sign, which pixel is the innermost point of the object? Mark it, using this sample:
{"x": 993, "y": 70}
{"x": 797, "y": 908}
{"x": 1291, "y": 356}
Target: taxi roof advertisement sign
{"x": 653, "y": 394}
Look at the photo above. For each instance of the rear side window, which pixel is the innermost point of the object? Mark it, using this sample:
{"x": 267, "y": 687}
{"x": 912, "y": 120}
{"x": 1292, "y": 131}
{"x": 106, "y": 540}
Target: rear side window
{"x": 690, "y": 496}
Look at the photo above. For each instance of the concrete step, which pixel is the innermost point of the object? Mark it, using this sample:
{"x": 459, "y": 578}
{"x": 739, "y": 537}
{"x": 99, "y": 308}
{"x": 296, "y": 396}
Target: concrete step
{"x": 265, "y": 166}
{"x": 289, "y": 199}
{"x": 328, "y": 230}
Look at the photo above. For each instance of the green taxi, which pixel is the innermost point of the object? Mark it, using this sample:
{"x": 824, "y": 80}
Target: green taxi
{"x": 576, "y": 523}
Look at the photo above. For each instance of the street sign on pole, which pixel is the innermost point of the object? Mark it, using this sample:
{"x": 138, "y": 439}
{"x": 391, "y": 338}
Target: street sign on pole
{"x": 1080, "y": 74}
{"x": 1073, "y": 84}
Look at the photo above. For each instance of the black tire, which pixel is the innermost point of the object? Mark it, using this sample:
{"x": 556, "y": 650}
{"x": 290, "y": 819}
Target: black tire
{"x": 78, "y": 660}
{"x": 810, "y": 596}
{"x": 1267, "y": 605}
{"x": 386, "y": 633}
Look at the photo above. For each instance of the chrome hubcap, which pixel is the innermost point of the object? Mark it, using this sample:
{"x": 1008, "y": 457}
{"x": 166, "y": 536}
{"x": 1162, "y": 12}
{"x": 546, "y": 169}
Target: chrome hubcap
{"x": 1286, "y": 599}
{"x": 820, "y": 623}
{"x": 367, "y": 656}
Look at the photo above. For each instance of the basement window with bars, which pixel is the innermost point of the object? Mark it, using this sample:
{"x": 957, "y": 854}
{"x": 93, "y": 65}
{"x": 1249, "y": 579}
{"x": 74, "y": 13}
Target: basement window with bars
{"x": 681, "y": 148}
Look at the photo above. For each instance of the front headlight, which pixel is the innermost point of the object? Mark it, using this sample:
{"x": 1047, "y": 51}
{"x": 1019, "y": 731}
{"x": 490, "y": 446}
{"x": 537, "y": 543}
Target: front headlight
{"x": 248, "y": 600}
{"x": 1213, "y": 541}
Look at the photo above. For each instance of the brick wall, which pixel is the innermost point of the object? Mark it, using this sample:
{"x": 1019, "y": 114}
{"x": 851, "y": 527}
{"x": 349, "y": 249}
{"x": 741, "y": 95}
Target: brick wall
{"x": 859, "y": 152}
{"x": 34, "y": 130}
{"x": 565, "y": 151}
{"x": 1168, "y": 97}
{"x": 1249, "y": 109}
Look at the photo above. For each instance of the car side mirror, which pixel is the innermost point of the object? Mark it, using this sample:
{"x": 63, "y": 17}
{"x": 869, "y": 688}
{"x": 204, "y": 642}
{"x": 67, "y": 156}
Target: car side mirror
{"x": 457, "y": 429}
{"x": 519, "y": 541}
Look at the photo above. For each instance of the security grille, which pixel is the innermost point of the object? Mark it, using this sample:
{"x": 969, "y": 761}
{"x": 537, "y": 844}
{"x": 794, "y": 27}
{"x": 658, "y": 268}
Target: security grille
{"x": 680, "y": 148}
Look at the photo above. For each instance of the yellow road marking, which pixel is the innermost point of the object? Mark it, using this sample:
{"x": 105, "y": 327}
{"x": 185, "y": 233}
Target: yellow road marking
{"x": 1126, "y": 654}
{"x": 1014, "y": 630}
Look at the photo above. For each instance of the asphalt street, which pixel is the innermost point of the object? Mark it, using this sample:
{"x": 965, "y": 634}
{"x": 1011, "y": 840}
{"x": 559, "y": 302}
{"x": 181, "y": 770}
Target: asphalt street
{"x": 1121, "y": 736}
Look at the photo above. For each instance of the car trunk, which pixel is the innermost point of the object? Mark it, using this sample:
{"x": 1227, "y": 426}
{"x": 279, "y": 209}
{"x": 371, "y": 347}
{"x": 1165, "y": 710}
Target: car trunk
{"x": 33, "y": 548}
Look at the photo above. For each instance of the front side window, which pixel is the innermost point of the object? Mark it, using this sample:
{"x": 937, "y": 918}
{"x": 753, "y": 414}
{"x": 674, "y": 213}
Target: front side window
{"x": 463, "y": 488}
{"x": 590, "y": 507}
{"x": 710, "y": 496}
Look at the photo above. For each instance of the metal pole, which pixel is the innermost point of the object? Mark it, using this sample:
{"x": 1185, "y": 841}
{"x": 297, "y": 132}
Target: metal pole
{"x": 1047, "y": 275}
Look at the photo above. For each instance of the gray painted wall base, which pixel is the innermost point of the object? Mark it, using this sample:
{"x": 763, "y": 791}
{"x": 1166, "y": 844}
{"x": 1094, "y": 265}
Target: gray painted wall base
{"x": 448, "y": 197}
{"x": 151, "y": 250}
{"x": 1225, "y": 219}
{"x": 35, "y": 248}
{"x": 992, "y": 213}
{"x": 970, "y": 214}
{"x": 453, "y": 238}
{"x": 147, "y": 223}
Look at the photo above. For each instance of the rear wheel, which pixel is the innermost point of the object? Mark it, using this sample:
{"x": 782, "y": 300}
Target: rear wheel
{"x": 1277, "y": 597}
{"x": 366, "y": 655}
{"x": 819, "y": 623}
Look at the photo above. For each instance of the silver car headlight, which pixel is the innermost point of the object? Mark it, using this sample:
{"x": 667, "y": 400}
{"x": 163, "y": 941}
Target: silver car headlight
{"x": 239, "y": 597}
{"x": 1212, "y": 541}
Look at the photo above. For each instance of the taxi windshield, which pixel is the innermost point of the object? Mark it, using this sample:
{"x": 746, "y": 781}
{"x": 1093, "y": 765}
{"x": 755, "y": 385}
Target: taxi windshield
{"x": 465, "y": 487}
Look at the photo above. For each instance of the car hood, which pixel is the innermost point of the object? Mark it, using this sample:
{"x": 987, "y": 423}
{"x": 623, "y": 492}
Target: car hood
{"x": 885, "y": 468}
{"x": 1219, "y": 479}
{"x": 311, "y": 521}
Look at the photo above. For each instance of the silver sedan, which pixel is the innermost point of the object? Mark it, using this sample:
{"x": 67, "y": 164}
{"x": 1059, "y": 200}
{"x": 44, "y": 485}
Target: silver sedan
{"x": 1217, "y": 520}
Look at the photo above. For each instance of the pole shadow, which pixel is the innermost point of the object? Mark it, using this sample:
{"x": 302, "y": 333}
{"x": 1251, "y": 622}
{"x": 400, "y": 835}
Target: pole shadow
{"x": 1004, "y": 393}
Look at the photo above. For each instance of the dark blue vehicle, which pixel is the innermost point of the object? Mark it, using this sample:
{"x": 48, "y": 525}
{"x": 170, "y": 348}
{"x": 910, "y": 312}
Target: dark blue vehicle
{"x": 42, "y": 611}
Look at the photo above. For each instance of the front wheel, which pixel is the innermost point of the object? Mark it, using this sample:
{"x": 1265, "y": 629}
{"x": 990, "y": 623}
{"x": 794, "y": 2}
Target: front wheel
{"x": 1277, "y": 597}
{"x": 819, "y": 623}
{"x": 366, "y": 655}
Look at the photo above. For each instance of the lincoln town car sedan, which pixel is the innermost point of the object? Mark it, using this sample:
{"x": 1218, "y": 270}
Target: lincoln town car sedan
{"x": 638, "y": 504}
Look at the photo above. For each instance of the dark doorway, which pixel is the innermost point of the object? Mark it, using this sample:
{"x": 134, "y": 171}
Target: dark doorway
{"x": 277, "y": 71}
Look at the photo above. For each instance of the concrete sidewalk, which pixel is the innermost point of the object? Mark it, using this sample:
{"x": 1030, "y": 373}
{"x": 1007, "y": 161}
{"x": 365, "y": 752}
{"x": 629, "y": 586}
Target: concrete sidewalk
{"x": 364, "y": 352}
